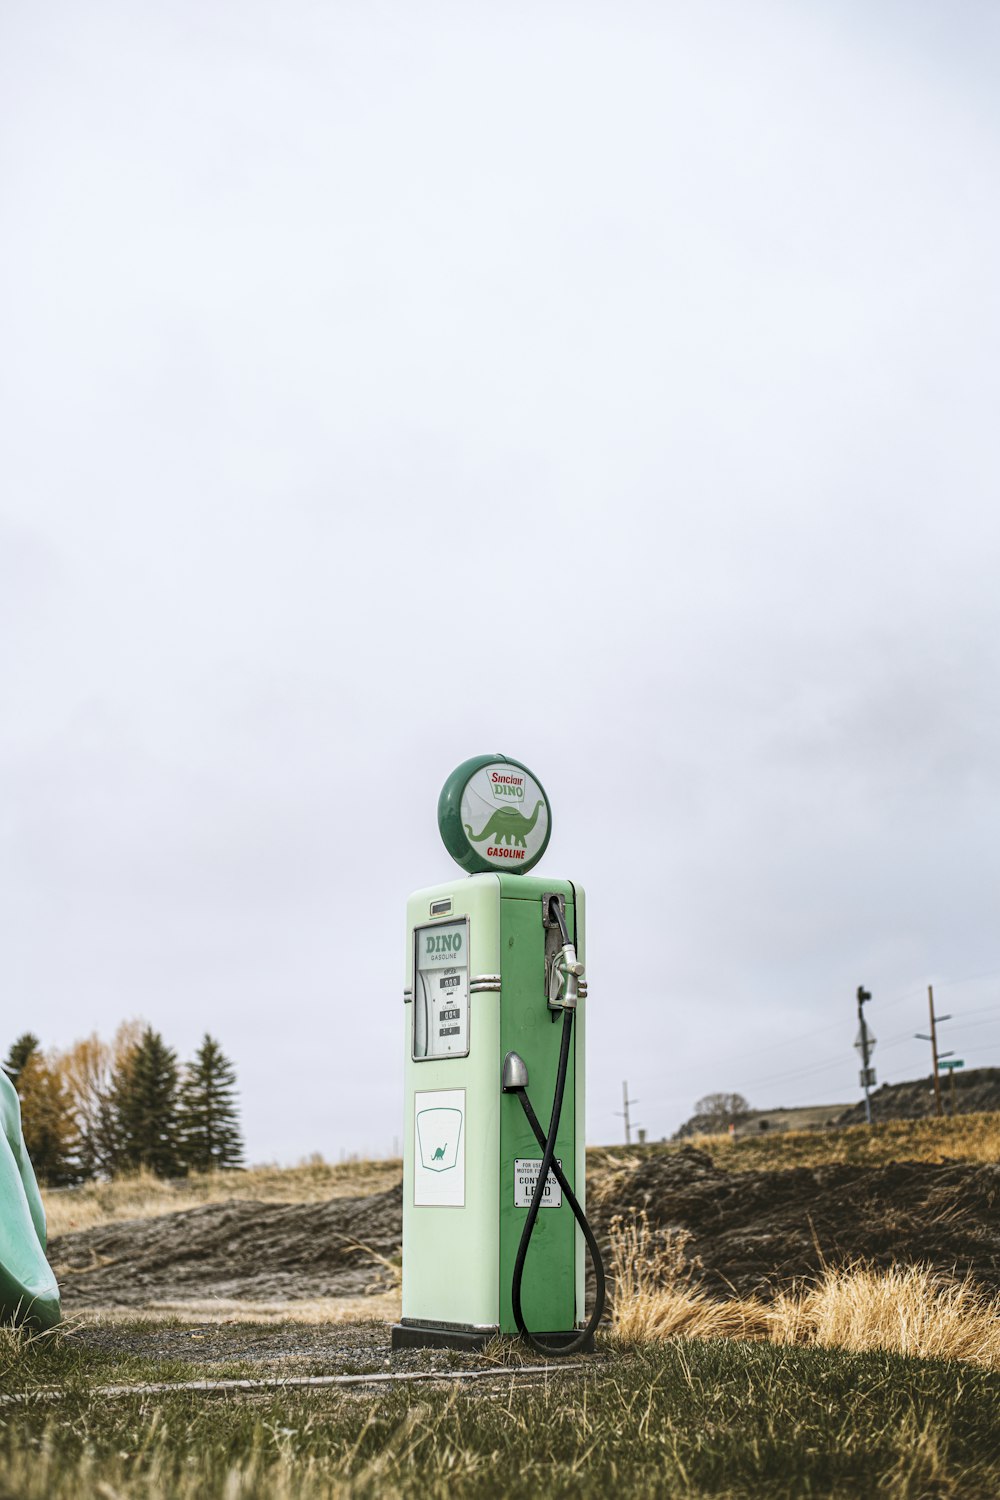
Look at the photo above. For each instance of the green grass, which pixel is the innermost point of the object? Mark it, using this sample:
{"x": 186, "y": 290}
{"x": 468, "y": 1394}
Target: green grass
{"x": 718, "y": 1418}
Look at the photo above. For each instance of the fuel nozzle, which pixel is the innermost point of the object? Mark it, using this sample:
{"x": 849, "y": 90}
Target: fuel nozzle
{"x": 566, "y": 970}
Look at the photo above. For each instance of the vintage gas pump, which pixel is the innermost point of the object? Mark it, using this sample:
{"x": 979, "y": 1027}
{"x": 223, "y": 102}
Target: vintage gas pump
{"x": 494, "y": 1229}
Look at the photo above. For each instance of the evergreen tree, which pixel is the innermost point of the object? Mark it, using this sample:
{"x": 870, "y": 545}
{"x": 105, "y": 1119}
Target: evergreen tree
{"x": 209, "y": 1116}
{"x": 47, "y": 1121}
{"x": 26, "y": 1045}
{"x": 144, "y": 1101}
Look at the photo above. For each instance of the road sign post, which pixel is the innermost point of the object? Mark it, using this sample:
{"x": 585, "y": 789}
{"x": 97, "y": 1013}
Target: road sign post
{"x": 951, "y": 1063}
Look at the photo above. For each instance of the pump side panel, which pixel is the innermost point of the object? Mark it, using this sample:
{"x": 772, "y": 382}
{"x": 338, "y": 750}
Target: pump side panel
{"x": 548, "y": 1294}
{"x": 580, "y": 1052}
{"x": 450, "y": 1252}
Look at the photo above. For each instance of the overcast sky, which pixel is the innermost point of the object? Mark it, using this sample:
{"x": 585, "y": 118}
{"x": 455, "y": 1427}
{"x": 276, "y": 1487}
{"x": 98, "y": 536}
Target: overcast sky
{"x": 610, "y": 385}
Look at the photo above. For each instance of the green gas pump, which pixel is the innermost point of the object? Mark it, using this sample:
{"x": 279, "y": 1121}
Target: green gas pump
{"x": 494, "y": 1228}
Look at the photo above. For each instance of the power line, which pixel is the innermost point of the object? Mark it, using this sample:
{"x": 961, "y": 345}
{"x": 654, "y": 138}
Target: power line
{"x": 795, "y": 1073}
{"x": 971, "y": 1025}
{"x": 969, "y": 979}
{"x": 806, "y": 1036}
{"x": 892, "y": 1043}
{"x": 983, "y": 1010}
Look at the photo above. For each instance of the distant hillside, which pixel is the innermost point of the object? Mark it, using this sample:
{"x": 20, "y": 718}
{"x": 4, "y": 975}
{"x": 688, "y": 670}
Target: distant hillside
{"x": 975, "y": 1090}
{"x": 767, "y": 1119}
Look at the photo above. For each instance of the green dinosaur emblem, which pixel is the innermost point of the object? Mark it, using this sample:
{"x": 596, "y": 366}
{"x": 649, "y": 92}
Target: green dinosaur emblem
{"x": 439, "y": 1154}
{"x": 507, "y": 826}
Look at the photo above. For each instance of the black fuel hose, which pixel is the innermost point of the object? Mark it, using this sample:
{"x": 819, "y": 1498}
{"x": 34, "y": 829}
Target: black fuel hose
{"x": 549, "y": 1164}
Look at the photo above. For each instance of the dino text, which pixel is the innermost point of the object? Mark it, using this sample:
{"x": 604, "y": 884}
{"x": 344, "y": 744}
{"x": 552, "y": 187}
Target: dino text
{"x": 505, "y": 785}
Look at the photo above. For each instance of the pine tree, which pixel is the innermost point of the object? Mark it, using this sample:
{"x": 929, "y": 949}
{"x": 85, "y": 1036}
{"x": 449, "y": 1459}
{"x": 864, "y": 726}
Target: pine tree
{"x": 26, "y": 1045}
{"x": 209, "y": 1116}
{"x": 144, "y": 1101}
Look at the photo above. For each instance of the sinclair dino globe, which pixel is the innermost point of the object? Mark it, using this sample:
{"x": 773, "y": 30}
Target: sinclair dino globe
{"x": 494, "y": 815}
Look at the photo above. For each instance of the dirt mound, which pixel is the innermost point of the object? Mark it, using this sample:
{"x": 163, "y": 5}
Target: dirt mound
{"x": 236, "y": 1250}
{"x": 751, "y": 1232}
{"x": 973, "y": 1092}
{"x": 755, "y": 1231}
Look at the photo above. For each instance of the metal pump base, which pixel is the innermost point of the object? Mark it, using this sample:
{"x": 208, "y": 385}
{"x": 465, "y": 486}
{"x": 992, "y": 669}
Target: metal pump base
{"x": 409, "y": 1334}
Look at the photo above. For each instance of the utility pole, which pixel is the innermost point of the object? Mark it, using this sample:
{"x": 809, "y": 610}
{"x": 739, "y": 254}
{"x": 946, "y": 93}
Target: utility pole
{"x": 624, "y": 1113}
{"x": 935, "y": 1054}
{"x": 865, "y": 1043}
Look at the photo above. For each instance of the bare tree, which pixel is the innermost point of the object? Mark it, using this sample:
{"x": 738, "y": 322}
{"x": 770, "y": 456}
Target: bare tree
{"x": 88, "y": 1069}
{"x": 719, "y": 1111}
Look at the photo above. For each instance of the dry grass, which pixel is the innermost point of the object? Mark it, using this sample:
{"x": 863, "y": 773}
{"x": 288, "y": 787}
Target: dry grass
{"x": 973, "y": 1138}
{"x": 903, "y": 1310}
{"x": 655, "y": 1295}
{"x": 608, "y": 1170}
{"x": 144, "y": 1196}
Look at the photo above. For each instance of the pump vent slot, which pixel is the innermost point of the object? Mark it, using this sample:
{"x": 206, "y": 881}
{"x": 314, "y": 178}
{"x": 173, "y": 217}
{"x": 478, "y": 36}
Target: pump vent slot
{"x": 440, "y": 908}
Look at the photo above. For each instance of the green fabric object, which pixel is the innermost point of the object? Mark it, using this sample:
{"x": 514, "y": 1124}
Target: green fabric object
{"x": 28, "y": 1290}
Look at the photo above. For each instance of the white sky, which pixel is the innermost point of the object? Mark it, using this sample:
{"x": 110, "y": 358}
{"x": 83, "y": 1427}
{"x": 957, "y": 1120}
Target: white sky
{"x": 354, "y": 356}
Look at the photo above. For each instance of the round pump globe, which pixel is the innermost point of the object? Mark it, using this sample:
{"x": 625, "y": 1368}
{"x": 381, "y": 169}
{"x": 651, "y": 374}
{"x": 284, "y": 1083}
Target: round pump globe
{"x": 494, "y": 816}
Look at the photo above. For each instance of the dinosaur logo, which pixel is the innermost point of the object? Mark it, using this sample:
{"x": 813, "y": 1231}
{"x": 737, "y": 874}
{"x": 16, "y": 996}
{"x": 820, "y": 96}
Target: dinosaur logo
{"x": 507, "y": 826}
{"x": 439, "y": 1132}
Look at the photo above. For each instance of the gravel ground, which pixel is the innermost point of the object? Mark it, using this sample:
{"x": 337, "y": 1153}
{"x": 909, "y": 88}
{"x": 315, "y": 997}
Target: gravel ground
{"x": 298, "y": 1349}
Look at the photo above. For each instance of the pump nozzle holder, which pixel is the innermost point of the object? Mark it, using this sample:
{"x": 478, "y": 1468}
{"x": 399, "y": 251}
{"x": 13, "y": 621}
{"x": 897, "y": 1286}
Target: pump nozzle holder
{"x": 514, "y": 1078}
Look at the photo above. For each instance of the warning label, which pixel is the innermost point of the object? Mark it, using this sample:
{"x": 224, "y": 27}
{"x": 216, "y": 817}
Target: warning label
{"x": 525, "y": 1176}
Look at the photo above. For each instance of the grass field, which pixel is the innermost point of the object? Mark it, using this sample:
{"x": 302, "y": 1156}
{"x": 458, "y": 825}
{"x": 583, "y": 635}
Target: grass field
{"x": 721, "y": 1418}
{"x": 860, "y": 1383}
{"x": 972, "y": 1138}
